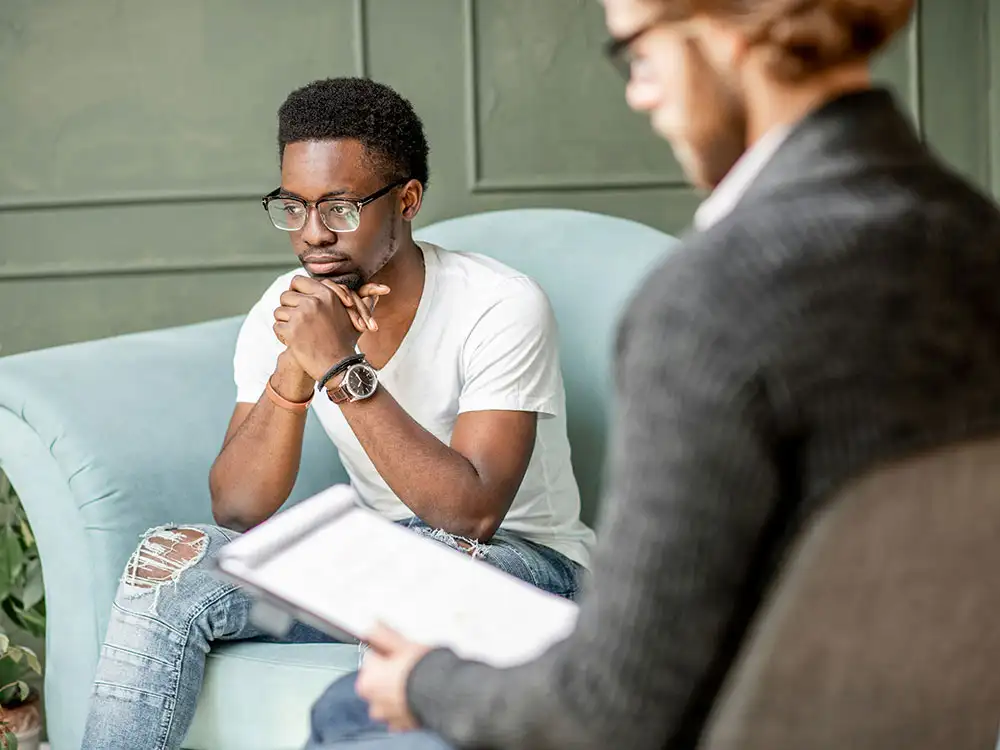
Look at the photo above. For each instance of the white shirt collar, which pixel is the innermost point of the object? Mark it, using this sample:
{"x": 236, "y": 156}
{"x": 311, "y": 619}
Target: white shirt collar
{"x": 735, "y": 184}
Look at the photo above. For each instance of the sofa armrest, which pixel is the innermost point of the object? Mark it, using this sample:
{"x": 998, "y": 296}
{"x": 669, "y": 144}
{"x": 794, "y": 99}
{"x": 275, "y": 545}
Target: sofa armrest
{"x": 103, "y": 440}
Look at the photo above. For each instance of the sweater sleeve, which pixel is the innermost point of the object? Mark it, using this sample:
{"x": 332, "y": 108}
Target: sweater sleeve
{"x": 692, "y": 484}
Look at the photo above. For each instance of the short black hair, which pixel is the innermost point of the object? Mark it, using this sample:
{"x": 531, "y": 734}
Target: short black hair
{"x": 359, "y": 108}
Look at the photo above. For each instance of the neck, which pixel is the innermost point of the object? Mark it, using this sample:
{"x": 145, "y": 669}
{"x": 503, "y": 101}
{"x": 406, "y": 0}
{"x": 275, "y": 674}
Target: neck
{"x": 772, "y": 104}
{"x": 404, "y": 275}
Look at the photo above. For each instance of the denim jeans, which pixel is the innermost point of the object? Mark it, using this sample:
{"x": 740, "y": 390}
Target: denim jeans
{"x": 340, "y": 720}
{"x": 166, "y": 615}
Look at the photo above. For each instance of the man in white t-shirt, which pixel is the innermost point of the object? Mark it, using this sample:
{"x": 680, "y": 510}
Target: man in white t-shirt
{"x": 444, "y": 401}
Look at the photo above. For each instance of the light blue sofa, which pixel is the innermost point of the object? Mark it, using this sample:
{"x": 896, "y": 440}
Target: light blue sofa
{"x": 105, "y": 439}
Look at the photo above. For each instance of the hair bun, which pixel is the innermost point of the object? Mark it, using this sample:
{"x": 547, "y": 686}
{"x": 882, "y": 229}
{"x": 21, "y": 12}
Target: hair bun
{"x": 803, "y": 37}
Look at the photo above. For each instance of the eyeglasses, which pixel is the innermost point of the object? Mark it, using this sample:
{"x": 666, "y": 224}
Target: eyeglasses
{"x": 619, "y": 51}
{"x": 289, "y": 214}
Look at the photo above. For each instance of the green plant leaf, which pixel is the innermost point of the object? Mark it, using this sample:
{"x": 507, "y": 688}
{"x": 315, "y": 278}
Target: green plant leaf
{"x": 16, "y": 557}
{"x": 11, "y": 561}
{"x": 34, "y": 589}
{"x": 15, "y": 653}
{"x": 22, "y": 593}
{"x": 26, "y": 534}
{"x": 7, "y": 605}
{"x": 32, "y": 621}
{"x": 6, "y": 575}
{"x": 8, "y": 693}
{"x": 8, "y": 740}
{"x": 31, "y": 658}
{"x": 16, "y": 692}
{"x": 10, "y": 673}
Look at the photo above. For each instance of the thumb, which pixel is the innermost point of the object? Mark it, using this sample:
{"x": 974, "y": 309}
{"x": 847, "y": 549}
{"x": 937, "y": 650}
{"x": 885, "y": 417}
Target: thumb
{"x": 373, "y": 290}
{"x": 370, "y": 294}
{"x": 385, "y": 640}
{"x": 342, "y": 294}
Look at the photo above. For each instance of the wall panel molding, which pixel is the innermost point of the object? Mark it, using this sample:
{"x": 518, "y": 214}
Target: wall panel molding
{"x": 993, "y": 82}
{"x": 183, "y": 195}
{"x": 130, "y": 198}
{"x": 480, "y": 184}
{"x": 361, "y": 38}
{"x": 141, "y": 267}
{"x": 79, "y": 244}
{"x": 575, "y": 184}
{"x": 915, "y": 80}
{"x": 473, "y": 162}
{"x": 134, "y": 113}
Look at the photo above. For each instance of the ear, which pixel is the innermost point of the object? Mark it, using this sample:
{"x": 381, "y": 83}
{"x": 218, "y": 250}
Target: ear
{"x": 724, "y": 44}
{"x": 411, "y": 198}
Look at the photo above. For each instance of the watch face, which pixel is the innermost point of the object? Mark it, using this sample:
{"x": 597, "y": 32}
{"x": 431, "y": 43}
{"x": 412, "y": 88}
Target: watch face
{"x": 360, "y": 381}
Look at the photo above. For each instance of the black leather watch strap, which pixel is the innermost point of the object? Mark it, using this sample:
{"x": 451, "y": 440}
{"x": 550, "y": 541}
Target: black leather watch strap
{"x": 340, "y": 367}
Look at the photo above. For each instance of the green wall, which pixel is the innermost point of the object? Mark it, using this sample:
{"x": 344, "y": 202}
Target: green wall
{"x": 137, "y": 136}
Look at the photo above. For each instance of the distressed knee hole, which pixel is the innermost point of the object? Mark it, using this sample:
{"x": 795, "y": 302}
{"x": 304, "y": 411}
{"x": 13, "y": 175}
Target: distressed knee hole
{"x": 473, "y": 548}
{"x": 162, "y": 555}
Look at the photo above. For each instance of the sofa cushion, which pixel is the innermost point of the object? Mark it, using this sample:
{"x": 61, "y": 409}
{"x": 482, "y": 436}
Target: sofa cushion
{"x": 258, "y": 695}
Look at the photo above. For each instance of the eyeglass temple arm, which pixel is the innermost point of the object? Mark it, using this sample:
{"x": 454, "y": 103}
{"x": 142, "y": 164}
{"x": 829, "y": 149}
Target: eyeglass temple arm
{"x": 273, "y": 194}
{"x": 380, "y": 193}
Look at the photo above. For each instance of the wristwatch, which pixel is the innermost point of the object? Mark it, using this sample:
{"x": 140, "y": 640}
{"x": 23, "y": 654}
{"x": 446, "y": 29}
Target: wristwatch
{"x": 359, "y": 382}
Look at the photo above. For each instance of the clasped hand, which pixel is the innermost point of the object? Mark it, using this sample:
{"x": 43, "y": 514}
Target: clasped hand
{"x": 320, "y": 322}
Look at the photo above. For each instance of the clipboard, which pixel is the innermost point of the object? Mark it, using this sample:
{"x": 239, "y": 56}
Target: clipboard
{"x": 343, "y": 568}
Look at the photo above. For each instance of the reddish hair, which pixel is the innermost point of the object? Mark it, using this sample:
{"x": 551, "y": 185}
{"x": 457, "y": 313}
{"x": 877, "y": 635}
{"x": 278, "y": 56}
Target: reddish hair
{"x": 803, "y": 37}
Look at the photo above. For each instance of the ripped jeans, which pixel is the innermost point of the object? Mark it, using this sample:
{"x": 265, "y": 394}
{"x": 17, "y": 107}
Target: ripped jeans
{"x": 170, "y": 608}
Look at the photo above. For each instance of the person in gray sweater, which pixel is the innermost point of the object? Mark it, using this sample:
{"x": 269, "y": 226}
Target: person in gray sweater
{"x": 836, "y": 306}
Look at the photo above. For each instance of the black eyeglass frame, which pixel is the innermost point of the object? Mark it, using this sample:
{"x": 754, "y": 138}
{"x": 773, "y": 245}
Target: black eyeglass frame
{"x": 358, "y": 204}
{"x": 616, "y": 50}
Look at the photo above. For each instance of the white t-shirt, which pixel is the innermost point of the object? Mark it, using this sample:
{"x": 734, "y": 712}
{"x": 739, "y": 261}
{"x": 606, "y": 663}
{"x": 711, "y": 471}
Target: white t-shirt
{"x": 483, "y": 338}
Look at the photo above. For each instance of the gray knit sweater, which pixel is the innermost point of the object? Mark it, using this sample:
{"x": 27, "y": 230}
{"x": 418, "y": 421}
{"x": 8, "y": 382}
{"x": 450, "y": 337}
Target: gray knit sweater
{"x": 846, "y": 313}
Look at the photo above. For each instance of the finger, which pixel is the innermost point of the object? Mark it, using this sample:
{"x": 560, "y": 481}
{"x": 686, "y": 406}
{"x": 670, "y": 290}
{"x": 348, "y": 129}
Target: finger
{"x": 348, "y": 302}
{"x": 355, "y": 308}
{"x": 309, "y": 289}
{"x": 361, "y": 683}
{"x": 283, "y": 314}
{"x": 402, "y": 725}
{"x": 365, "y": 312}
{"x": 292, "y": 299}
{"x": 375, "y": 713}
{"x": 373, "y": 290}
{"x": 366, "y": 688}
{"x": 384, "y": 640}
{"x": 371, "y": 293}
{"x": 359, "y": 324}
{"x": 340, "y": 290}
{"x": 306, "y": 285}
{"x": 279, "y": 331}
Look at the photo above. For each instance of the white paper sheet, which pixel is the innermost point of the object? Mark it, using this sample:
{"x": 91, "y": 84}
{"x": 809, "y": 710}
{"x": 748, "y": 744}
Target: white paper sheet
{"x": 358, "y": 569}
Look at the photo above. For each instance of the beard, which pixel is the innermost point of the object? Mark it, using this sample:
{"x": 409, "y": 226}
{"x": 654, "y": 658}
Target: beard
{"x": 714, "y": 134}
{"x": 352, "y": 281}
{"x": 709, "y": 159}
